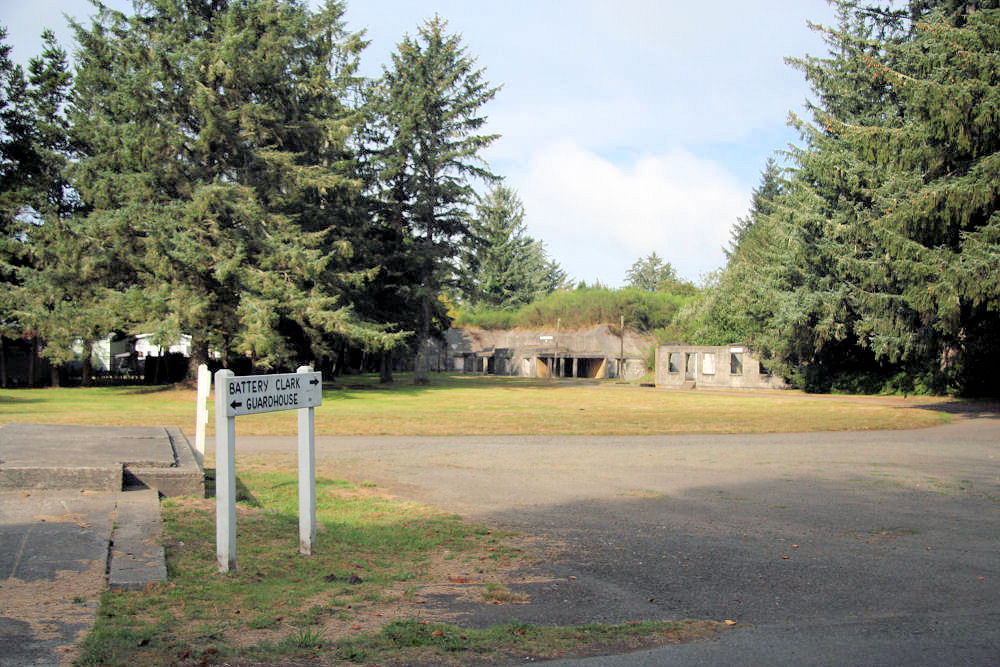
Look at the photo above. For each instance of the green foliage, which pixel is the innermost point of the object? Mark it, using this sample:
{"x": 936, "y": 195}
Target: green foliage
{"x": 502, "y": 267}
{"x": 652, "y": 274}
{"x": 584, "y": 308}
{"x": 881, "y": 248}
{"x": 215, "y": 157}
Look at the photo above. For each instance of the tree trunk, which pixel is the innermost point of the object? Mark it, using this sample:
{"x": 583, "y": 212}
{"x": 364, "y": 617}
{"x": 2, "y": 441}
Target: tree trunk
{"x": 54, "y": 375}
{"x": 33, "y": 361}
{"x": 3, "y": 362}
{"x": 420, "y": 374}
{"x": 88, "y": 352}
{"x": 199, "y": 356}
{"x": 385, "y": 367}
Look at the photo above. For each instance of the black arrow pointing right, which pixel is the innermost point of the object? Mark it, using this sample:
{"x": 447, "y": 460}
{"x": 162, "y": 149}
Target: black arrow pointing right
{"x": 314, "y": 381}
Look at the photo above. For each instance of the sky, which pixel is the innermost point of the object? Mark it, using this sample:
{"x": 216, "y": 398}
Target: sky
{"x": 628, "y": 126}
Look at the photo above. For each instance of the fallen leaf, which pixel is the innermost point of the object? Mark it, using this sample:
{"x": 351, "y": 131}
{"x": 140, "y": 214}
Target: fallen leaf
{"x": 728, "y": 622}
{"x": 437, "y": 633}
{"x": 355, "y": 626}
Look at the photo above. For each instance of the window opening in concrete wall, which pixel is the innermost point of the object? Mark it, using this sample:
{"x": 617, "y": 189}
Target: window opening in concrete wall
{"x": 708, "y": 364}
{"x": 736, "y": 363}
{"x": 690, "y": 365}
{"x": 674, "y": 362}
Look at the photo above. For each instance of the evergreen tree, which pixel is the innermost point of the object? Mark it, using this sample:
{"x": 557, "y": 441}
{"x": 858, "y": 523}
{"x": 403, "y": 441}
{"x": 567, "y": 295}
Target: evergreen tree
{"x": 15, "y": 140}
{"x": 502, "y": 267}
{"x": 651, "y": 274}
{"x": 884, "y": 242}
{"x": 428, "y": 105}
{"x": 215, "y": 137}
{"x": 761, "y": 204}
{"x": 59, "y": 295}
{"x": 737, "y": 304}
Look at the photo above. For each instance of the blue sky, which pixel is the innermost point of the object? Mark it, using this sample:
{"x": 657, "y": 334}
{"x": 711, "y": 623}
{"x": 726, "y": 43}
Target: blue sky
{"x": 629, "y": 126}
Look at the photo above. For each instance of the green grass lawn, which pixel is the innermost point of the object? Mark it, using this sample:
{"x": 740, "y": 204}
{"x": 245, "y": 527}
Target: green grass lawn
{"x": 358, "y": 598}
{"x": 477, "y": 405}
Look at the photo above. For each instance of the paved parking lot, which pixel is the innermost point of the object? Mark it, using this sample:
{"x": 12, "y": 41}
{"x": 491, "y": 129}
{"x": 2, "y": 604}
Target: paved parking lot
{"x": 829, "y": 548}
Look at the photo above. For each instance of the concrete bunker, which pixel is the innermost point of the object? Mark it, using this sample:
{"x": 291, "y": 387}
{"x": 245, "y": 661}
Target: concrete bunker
{"x": 597, "y": 353}
{"x": 722, "y": 366}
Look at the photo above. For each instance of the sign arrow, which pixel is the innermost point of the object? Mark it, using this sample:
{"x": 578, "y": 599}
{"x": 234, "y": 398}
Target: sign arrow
{"x": 235, "y": 404}
{"x": 313, "y": 381}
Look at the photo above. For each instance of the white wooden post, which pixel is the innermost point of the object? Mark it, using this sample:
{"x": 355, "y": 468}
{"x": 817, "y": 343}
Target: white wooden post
{"x": 225, "y": 476}
{"x": 307, "y": 475}
{"x": 201, "y": 416}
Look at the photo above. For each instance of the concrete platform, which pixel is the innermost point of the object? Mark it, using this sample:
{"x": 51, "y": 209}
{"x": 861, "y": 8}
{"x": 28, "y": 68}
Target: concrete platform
{"x": 98, "y": 458}
{"x": 79, "y": 513}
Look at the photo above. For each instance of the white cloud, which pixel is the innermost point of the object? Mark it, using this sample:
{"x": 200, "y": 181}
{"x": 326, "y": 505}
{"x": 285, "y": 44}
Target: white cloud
{"x": 597, "y": 217}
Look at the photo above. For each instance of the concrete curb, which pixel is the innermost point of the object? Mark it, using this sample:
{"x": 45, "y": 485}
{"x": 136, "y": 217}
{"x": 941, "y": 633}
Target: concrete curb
{"x": 137, "y": 558}
{"x": 184, "y": 478}
{"x": 92, "y": 478}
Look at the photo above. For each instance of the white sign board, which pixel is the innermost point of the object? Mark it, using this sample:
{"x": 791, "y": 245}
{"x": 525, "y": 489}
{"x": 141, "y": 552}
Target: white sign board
{"x": 247, "y": 395}
{"x": 253, "y": 394}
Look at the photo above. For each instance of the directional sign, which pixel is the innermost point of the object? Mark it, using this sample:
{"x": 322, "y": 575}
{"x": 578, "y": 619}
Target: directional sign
{"x": 251, "y": 394}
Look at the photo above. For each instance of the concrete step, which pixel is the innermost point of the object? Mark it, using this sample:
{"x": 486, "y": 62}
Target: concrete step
{"x": 137, "y": 558}
{"x": 94, "y": 458}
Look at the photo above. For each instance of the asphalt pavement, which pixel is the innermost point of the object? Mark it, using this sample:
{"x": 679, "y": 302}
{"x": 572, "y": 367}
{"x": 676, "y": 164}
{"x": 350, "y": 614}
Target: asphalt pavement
{"x": 825, "y": 548}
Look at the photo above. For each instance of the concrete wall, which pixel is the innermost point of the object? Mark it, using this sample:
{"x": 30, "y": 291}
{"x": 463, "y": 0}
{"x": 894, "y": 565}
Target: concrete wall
{"x": 593, "y": 353}
{"x": 724, "y": 367}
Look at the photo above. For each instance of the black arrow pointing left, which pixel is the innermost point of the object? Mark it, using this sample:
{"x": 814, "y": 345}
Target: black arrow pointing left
{"x": 235, "y": 404}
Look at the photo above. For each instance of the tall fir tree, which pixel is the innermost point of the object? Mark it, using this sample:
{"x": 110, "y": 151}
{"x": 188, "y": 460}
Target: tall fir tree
{"x": 59, "y": 292}
{"x": 215, "y": 138}
{"x": 502, "y": 267}
{"x": 883, "y": 248}
{"x": 15, "y": 129}
{"x": 429, "y": 122}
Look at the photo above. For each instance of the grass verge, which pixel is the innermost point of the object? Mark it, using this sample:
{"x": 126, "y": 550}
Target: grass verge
{"x": 477, "y": 405}
{"x": 361, "y": 596}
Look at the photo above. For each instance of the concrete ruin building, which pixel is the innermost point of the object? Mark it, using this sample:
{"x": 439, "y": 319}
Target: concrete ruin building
{"x": 596, "y": 353}
{"x": 707, "y": 367}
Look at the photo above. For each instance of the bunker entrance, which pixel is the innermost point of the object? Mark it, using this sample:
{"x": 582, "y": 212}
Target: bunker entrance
{"x": 589, "y": 367}
{"x": 572, "y": 367}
